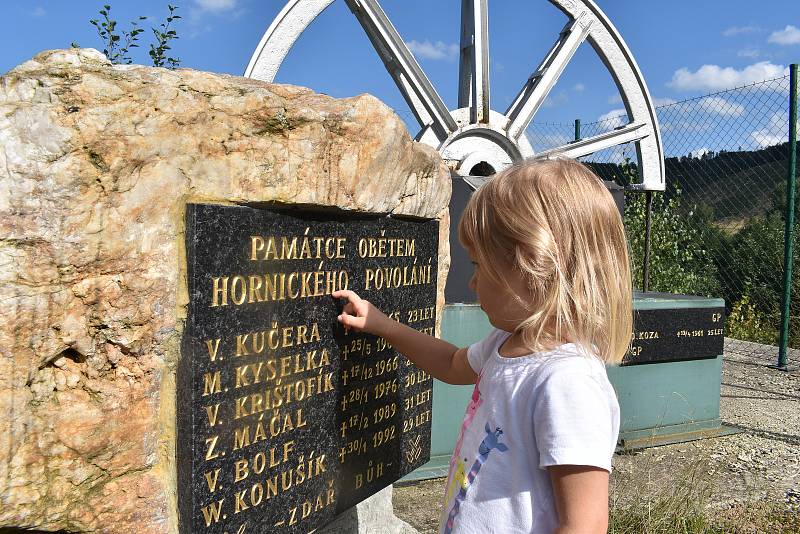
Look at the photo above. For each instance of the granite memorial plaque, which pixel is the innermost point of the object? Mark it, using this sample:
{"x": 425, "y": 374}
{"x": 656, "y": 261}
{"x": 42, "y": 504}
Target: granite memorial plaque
{"x": 284, "y": 418}
{"x": 675, "y": 334}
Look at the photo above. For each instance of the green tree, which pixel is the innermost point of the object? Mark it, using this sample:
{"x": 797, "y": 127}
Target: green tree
{"x": 682, "y": 245}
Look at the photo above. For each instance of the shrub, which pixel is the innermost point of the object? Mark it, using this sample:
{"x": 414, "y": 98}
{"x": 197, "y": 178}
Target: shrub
{"x": 682, "y": 243}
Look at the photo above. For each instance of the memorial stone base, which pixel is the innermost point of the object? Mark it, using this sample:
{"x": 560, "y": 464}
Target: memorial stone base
{"x": 98, "y": 168}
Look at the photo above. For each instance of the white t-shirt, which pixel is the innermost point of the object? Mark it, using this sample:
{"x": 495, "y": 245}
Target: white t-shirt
{"x": 526, "y": 413}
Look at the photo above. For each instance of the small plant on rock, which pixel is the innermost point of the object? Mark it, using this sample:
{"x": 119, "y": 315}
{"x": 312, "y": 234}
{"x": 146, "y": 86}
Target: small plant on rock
{"x": 163, "y": 36}
{"x": 117, "y": 46}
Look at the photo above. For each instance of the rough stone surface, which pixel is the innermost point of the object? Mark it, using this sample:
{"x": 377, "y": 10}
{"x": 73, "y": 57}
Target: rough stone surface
{"x": 97, "y": 163}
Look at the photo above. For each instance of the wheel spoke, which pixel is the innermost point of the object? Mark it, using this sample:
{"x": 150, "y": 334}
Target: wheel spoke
{"x": 418, "y": 91}
{"x": 625, "y": 134}
{"x": 538, "y": 86}
{"x": 473, "y": 73}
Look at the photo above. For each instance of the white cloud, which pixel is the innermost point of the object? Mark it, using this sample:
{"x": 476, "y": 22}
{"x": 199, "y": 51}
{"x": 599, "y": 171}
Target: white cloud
{"x": 775, "y": 132}
{"x": 617, "y": 99}
{"x": 716, "y": 78}
{"x": 740, "y": 30}
{"x": 579, "y": 88}
{"x": 699, "y": 153}
{"x": 613, "y": 119}
{"x": 428, "y": 50}
{"x": 555, "y": 100}
{"x": 38, "y": 12}
{"x": 663, "y": 101}
{"x": 748, "y": 53}
{"x": 216, "y": 5}
{"x": 763, "y": 138}
{"x": 720, "y": 106}
{"x": 790, "y": 35}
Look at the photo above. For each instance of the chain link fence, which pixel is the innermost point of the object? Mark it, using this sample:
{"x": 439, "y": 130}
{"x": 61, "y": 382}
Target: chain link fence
{"x": 718, "y": 229}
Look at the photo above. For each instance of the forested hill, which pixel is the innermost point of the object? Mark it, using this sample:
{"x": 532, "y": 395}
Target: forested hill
{"x": 736, "y": 184}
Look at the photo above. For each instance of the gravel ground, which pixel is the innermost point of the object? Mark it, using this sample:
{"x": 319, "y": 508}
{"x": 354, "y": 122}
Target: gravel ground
{"x": 761, "y": 464}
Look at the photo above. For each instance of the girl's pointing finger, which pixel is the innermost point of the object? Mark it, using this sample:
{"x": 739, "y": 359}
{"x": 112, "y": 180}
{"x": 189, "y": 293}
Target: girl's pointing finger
{"x": 351, "y": 296}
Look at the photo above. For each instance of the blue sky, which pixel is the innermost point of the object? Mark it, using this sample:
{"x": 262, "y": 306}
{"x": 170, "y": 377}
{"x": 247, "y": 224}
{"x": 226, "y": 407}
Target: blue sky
{"x": 685, "y": 48}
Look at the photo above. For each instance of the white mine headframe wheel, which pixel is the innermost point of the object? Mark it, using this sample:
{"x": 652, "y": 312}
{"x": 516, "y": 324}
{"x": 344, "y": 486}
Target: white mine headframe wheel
{"x": 474, "y": 136}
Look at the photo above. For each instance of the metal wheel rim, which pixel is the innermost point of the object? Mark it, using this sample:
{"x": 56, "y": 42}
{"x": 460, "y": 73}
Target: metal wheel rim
{"x": 474, "y": 132}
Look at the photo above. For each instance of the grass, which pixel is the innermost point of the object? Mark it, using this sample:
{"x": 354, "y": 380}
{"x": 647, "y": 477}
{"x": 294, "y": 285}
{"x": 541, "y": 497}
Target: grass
{"x": 681, "y": 506}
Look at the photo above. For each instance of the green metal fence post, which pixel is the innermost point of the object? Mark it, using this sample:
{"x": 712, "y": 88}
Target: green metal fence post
{"x": 577, "y": 129}
{"x": 789, "y": 227}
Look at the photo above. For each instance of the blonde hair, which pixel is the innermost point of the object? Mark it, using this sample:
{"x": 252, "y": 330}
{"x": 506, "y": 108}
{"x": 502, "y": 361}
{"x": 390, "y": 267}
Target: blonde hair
{"x": 556, "y": 224}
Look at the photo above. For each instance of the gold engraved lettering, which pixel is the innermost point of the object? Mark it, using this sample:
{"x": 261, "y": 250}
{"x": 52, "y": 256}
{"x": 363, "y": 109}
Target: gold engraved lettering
{"x": 290, "y": 285}
{"x": 271, "y": 283}
{"x": 318, "y": 281}
{"x": 288, "y": 340}
{"x": 271, "y": 252}
{"x": 305, "y": 287}
{"x": 212, "y": 482}
{"x": 212, "y": 383}
{"x": 313, "y": 505}
{"x": 419, "y": 419}
{"x": 385, "y": 247}
{"x": 212, "y": 511}
{"x": 256, "y": 246}
{"x": 212, "y": 352}
{"x": 277, "y": 286}
{"x": 418, "y": 399}
{"x": 280, "y": 394}
{"x": 241, "y": 344}
{"x": 238, "y": 290}
{"x": 212, "y": 412}
{"x": 242, "y": 470}
{"x": 211, "y": 444}
{"x": 278, "y": 424}
{"x": 241, "y": 438}
{"x": 421, "y": 314}
{"x": 393, "y": 277}
{"x": 330, "y": 251}
{"x": 301, "y": 335}
{"x": 255, "y": 290}
{"x": 305, "y": 251}
{"x": 370, "y": 474}
{"x": 219, "y": 292}
{"x": 296, "y": 248}
{"x": 289, "y": 248}
{"x": 239, "y": 505}
{"x": 259, "y": 342}
{"x": 646, "y": 334}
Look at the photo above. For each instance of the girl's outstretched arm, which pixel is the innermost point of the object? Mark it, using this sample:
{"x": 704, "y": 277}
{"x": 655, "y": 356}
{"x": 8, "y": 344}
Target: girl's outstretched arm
{"x": 444, "y": 361}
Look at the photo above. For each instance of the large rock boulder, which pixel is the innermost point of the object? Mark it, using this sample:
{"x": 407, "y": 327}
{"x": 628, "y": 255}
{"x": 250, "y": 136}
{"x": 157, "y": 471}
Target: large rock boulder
{"x": 96, "y": 166}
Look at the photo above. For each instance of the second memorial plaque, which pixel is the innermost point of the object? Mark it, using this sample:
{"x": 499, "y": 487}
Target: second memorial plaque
{"x": 285, "y": 419}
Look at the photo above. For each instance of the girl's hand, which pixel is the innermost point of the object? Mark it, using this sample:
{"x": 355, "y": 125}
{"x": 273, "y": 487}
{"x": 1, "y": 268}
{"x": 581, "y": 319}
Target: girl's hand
{"x": 359, "y": 314}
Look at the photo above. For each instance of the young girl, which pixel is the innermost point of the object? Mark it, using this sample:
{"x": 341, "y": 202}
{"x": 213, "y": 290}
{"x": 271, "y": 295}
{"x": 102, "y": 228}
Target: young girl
{"x": 552, "y": 275}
